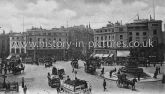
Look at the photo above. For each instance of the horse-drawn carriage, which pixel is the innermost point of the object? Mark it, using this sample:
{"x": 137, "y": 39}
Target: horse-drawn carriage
{"x": 55, "y": 77}
{"x": 17, "y": 69}
{"x": 53, "y": 81}
{"x": 16, "y": 66}
{"x": 48, "y": 62}
{"x": 74, "y": 63}
{"x": 76, "y": 86}
{"x": 91, "y": 65}
{"x": 122, "y": 81}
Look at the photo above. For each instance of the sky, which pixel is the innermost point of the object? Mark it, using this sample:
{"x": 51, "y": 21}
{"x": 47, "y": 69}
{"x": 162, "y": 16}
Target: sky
{"x": 55, "y": 13}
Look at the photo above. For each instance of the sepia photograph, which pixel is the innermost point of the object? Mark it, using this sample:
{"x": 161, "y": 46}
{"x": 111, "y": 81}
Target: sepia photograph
{"x": 82, "y": 46}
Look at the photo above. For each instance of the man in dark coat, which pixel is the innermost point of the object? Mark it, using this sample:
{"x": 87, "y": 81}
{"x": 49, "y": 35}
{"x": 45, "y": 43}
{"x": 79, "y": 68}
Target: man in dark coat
{"x": 104, "y": 85}
{"x": 54, "y": 71}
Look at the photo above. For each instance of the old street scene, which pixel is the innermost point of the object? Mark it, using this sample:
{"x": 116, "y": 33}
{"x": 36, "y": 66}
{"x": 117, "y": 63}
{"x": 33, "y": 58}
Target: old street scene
{"x": 82, "y": 47}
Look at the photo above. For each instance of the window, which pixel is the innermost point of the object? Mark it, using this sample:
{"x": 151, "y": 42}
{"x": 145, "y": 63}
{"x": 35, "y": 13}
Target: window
{"x": 155, "y": 25}
{"x": 49, "y": 34}
{"x": 130, "y": 39}
{"x": 144, "y": 33}
{"x": 44, "y": 40}
{"x": 105, "y": 37}
{"x": 101, "y": 37}
{"x": 130, "y": 33}
{"x": 113, "y": 37}
{"x": 59, "y": 39}
{"x": 121, "y": 36}
{"x": 137, "y": 33}
{"x": 30, "y": 39}
{"x": 97, "y": 38}
{"x": 120, "y": 29}
{"x": 44, "y": 33}
{"x": 109, "y": 37}
{"x": 101, "y": 44}
{"x": 155, "y": 32}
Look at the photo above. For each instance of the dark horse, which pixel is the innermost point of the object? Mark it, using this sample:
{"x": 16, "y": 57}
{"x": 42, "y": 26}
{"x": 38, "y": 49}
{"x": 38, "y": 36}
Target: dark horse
{"x": 132, "y": 83}
{"x": 122, "y": 80}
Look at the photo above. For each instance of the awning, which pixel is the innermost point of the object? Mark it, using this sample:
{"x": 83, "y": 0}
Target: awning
{"x": 98, "y": 55}
{"x": 9, "y": 57}
{"x": 105, "y": 55}
{"x": 123, "y": 53}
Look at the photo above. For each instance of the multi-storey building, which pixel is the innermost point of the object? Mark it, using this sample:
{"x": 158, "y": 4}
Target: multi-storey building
{"x": 42, "y": 42}
{"x": 80, "y": 36}
{"x": 110, "y": 39}
{"x": 144, "y": 30}
{"x": 146, "y": 34}
{"x": 138, "y": 34}
{"x": 4, "y": 45}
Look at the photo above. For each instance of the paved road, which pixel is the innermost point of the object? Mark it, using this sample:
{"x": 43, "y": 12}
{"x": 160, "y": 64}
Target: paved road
{"x": 37, "y": 83}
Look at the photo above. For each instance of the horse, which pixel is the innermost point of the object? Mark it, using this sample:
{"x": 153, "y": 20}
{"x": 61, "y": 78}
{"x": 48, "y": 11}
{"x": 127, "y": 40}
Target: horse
{"x": 132, "y": 83}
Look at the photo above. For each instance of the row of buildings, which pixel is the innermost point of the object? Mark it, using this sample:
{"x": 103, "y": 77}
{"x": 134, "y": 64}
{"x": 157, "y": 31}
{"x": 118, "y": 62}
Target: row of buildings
{"x": 143, "y": 37}
{"x": 56, "y": 42}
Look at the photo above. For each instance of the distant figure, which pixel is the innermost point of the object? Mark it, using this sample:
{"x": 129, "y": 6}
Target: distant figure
{"x": 102, "y": 71}
{"x": 23, "y": 82}
{"x": 25, "y": 89}
{"x": 139, "y": 76}
{"x": 155, "y": 74}
{"x": 110, "y": 74}
{"x": 73, "y": 70}
{"x": 159, "y": 69}
{"x": 68, "y": 78}
{"x": 5, "y": 70}
{"x": 104, "y": 85}
{"x": 163, "y": 79}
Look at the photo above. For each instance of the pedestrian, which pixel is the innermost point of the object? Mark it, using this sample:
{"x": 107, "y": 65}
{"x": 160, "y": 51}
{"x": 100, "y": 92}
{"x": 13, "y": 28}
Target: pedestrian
{"x": 154, "y": 64}
{"x": 155, "y": 74}
{"x": 5, "y": 70}
{"x": 25, "y": 89}
{"x": 102, "y": 71}
{"x": 110, "y": 74}
{"x": 159, "y": 69}
{"x": 139, "y": 76}
{"x": 23, "y": 82}
{"x": 90, "y": 89}
{"x": 104, "y": 84}
{"x": 73, "y": 70}
{"x": 163, "y": 79}
{"x": 68, "y": 78}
